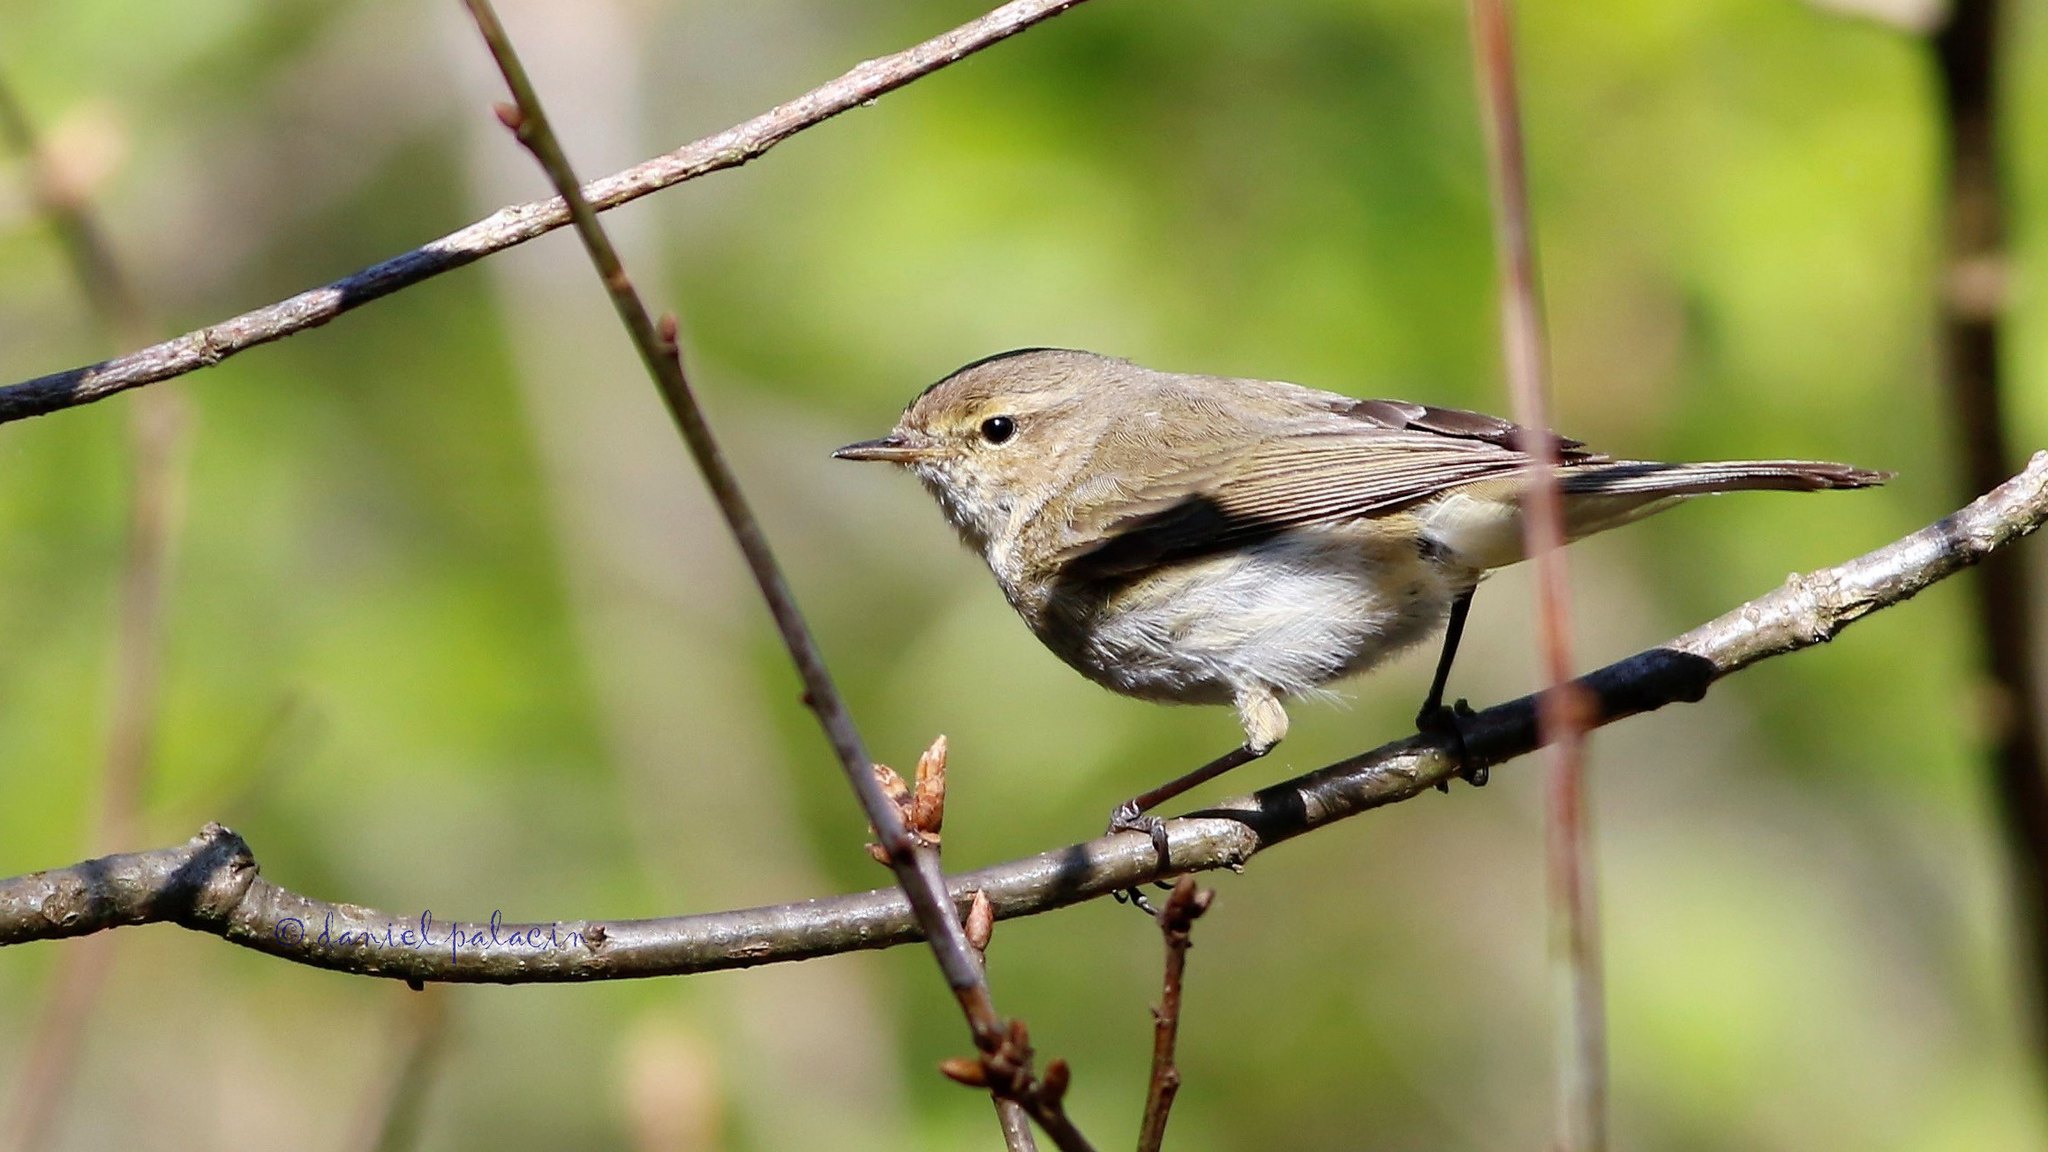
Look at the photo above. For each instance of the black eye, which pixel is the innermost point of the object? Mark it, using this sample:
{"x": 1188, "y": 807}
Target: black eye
{"x": 997, "y": 429}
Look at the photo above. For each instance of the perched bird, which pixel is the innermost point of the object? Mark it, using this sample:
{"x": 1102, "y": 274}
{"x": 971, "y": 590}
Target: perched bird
{"x": 1208, "y": 540}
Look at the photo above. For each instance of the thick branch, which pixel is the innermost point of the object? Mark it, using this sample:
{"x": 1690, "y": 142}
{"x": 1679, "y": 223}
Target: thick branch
{"x": 517, "y": 224}
{"x": 210, "y": 884}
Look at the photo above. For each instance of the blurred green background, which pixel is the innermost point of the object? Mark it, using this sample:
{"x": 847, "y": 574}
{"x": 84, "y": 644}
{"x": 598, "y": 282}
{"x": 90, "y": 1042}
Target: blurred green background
{"x": 454, "y": 628}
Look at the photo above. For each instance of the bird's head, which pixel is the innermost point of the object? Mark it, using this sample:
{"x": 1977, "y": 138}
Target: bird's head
{"x": 998, "y": 438}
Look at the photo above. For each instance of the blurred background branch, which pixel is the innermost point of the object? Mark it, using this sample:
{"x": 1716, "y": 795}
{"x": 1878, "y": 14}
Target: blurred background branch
{"x": 158, "y": 435}
{"x": 1581, "y": 1003}
{"x": 1973, "y": 305}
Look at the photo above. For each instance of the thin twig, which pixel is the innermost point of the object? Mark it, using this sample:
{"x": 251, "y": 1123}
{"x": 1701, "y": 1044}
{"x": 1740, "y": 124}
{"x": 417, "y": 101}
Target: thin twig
{"x": 157, "y": 435}
{"x": 2002, "y": 596}
{"x": 1176, "y": 923}
{"x": 980, "y": 927}
{"x": 916, "y": 864}
{"x": 1574, "y": 914}
{"x": 210, "y": 884}
{"x": 517, "y": 224}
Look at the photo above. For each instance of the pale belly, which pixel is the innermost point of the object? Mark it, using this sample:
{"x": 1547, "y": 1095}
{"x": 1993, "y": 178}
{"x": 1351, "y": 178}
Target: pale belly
{"x": 1289, "y": 615}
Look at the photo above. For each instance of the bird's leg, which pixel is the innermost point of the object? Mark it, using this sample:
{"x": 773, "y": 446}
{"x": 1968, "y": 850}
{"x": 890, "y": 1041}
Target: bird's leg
{"x": 1437, "y": 720}
{"x": 1454, "y": 630}
{"x": 1129, "y": 816}
{"x": 1265, "y": 724}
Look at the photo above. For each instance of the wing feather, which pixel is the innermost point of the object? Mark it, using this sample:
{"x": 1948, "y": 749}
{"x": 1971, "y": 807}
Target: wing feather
{"x": 1384, "y": 456}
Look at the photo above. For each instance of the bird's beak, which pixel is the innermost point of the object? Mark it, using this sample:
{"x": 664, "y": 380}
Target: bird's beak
{"x": 892, "y": 448}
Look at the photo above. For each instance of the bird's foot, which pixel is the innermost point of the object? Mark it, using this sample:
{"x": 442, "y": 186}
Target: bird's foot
{"x": 1128, "y": 817}
{"x": 1442, "y": 722}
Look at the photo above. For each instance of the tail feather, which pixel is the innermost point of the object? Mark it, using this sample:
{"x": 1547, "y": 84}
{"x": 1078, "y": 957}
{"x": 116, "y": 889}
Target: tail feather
{"x": 1640, "y": 478}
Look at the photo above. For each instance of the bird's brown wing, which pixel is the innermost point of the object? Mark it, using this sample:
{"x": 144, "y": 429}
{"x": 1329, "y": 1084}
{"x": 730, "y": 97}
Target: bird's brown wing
{"x": 1384, "y": 456}
{"x": 1457, "y": 423}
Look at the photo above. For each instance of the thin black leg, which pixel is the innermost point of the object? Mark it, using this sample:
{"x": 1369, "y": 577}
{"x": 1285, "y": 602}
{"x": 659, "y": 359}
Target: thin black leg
{"x": 1453, "y": 632}
{"x": 1435, "y": 719}
{"x": 1129, "y": 816}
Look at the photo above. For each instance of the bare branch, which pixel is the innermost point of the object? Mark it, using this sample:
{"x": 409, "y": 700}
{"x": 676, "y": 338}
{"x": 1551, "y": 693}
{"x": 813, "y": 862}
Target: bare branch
{"x": 917, "y": 871}
{"x": 519, "y": 223}
{"x": 1005, "y": 1051}
{"x": 1176, "y": 924}
{"x": 980, "y": 926}
{"x": 210, "y": 884}
{"x": 1574, "y": 912}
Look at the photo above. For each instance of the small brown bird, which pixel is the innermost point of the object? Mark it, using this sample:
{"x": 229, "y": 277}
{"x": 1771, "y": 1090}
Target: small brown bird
{"x": 1207, "y": 540}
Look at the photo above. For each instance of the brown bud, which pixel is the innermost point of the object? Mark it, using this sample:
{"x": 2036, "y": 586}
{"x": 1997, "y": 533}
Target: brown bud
{"x": 981, "y": 922}
{"x": 892, "y": 785}
{"x": 1053, "y": 1085}
{"x": 964, "y": 1070}
{"x": 927, "y": 814}
{"x": 898, "y": 792}
{"x": 510, "y": 116}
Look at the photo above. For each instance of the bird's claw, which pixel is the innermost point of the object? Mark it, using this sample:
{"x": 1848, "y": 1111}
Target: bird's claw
{"x": 1129, "y": 818}
{"x": 1442, "y": 722}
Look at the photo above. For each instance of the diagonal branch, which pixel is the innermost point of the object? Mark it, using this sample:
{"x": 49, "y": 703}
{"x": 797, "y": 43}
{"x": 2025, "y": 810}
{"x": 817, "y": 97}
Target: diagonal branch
{"x": 915, "y": 862}
{"x": 519, "y": 223}
{"x": 210, "y": 884}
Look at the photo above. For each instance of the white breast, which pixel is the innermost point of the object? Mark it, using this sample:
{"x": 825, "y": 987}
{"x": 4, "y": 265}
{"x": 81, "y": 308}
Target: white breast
{"x": 1291, "y": 615}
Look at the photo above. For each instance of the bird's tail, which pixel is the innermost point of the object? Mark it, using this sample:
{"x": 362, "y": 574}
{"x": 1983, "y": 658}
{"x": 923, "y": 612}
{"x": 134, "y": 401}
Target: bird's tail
{"x": 1603, "y": 496}
{"x": 1481, "y": 525}
{"x": 1639, "y": 478}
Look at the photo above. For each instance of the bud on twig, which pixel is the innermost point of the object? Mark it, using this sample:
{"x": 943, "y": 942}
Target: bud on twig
{"x": 964, "y": 1070}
